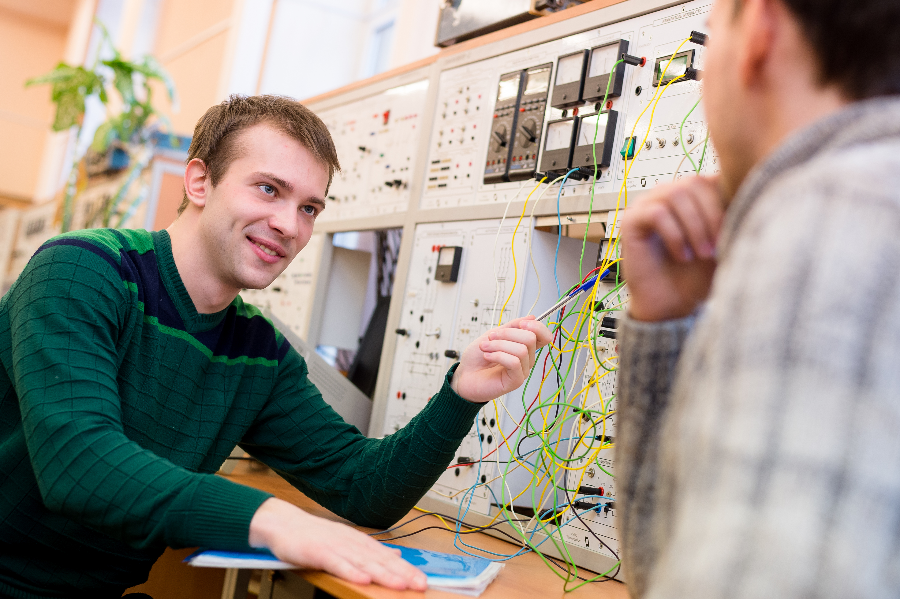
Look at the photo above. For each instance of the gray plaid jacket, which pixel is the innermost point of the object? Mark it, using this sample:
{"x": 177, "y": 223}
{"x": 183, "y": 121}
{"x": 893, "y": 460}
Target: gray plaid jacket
{"x": 758, "y": 442}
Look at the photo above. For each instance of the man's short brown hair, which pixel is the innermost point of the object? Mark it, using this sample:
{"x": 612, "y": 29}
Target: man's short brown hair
{"x": 216, "y": 133}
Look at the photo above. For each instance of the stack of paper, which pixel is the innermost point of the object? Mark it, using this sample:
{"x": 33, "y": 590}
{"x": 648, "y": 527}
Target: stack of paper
{"x": 452, "y": 573}
{"x": 445, "y": 572}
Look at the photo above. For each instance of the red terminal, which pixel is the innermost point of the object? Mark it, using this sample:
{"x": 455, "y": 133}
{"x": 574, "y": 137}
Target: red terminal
{"x": 575, "y": 112}
{"x": 643, "y": 60}
{"x": 398, "y": 395}
{"x": 609, "y": 104}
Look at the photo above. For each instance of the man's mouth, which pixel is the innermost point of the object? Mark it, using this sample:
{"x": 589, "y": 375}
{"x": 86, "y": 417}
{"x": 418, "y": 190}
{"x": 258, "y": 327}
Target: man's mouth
{"x": 265, "y": 249}
{"x": 268, "y": 250}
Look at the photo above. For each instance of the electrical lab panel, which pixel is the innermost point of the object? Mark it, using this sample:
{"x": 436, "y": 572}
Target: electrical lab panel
{"x": 460, "y": 173}
{"x": 497, "y": 282}
{"x": 376, "y": 139}
{"x": 487, "y": 133}
{"x": 289, "y": 298}
{"x": 594, "y": 473}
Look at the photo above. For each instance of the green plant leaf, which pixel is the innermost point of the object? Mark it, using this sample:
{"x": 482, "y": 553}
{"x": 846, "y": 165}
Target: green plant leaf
{"x": 103, "y": 137}
{"x": 151, "y": 69}
{"x": 123, "y": 78}
{"x": 70, "y": 86}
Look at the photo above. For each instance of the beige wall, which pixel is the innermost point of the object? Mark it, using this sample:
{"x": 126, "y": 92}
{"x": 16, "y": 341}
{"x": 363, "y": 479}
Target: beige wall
{"x": 30, "y": 45}
{"x": 194, "y": 42}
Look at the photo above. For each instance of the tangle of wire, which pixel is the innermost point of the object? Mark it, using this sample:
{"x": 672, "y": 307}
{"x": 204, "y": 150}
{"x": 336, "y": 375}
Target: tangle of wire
{"x": 565, "y": 419}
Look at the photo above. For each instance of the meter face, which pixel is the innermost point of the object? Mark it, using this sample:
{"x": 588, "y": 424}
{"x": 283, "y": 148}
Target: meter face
{"x": 603, "y": 59}
{"x": 538, "y": 81}
{"x": 559, "y": 135}
{"x": 592, "y": 127}
{"x": 677, "y": 66}
{"x": 569, "y": 68}
{"x": 445, "y": 256}
{"x": 509, "y": 88}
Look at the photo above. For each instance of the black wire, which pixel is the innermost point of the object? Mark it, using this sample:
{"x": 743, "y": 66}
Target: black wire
{"x": 492, "y": 527}
{"x": 446, "y": 517}
{"x": 583, "y": 523}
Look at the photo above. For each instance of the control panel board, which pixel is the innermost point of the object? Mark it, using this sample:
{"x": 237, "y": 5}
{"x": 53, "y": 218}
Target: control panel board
{"x": 603, "y": 110}
{"x": 588, "y": 77}
{"x": 376, "y": 141}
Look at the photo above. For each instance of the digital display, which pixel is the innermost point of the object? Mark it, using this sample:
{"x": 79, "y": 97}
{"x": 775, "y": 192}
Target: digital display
{"x": 569, "y": 68}
{"x": 538, "y": 81}
{"x": 677, "y": 66}
{"x": 603, "y": 59}
{"x": 559, "y": 135}
{"x": 445, "y": 256}
{"x": 509, "y": 88}
{"x": 592, "y": 127}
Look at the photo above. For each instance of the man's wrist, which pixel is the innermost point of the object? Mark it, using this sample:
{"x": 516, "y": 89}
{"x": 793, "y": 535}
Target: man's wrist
{"x": 266, "y": 521}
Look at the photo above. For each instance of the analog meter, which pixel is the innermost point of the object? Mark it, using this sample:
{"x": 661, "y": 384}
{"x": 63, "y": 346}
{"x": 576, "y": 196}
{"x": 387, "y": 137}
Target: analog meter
{"x": 558, "y": 141}
{"x": 600, "y": 70}
{"x": 569, "y": 79}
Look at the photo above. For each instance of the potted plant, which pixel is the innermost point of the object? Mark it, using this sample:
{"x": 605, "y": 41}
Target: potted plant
{"x": 124, "y": 140}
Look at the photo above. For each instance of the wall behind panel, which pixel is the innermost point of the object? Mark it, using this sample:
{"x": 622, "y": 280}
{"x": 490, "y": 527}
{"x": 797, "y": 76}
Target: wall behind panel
{"x": 195, "y": 43}
{"x": 32, "y": 42}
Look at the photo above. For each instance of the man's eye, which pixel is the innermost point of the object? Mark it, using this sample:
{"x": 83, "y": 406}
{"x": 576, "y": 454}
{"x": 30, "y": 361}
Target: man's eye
{"x": 311, "y": 210}
{"x": 267, "y": 189}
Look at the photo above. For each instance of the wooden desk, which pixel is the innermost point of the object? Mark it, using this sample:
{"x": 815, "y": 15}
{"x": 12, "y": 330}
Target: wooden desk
{"x": 523, "y": 576}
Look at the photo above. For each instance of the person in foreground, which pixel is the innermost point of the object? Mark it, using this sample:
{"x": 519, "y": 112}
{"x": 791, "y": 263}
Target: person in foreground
{"x": 131, "y": 368}
{"x": 758, "y": 440}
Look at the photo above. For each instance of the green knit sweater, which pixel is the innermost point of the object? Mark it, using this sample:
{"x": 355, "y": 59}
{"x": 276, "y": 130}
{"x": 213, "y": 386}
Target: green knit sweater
{"x": 118, "y": 402}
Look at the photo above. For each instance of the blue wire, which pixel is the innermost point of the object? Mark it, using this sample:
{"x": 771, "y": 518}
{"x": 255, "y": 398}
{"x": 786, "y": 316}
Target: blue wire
{"x": 503, "y": 558}
{"x": 559, "y": 230}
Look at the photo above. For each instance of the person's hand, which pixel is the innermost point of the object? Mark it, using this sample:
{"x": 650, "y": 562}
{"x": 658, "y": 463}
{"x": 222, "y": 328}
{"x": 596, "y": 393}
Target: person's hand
{"x": 296, "y": 537}
{"x": 499, "y": 361}
{"x": 668, "y": 248}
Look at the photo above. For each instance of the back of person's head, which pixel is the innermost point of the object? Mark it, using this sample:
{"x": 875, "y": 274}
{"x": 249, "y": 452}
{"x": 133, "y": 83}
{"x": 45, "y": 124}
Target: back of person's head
{"x": 856, "y": 43}
{"x": 216, "y": 134}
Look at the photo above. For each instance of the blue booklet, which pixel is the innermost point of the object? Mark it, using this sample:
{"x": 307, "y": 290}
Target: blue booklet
{"x": 445, "y": 571}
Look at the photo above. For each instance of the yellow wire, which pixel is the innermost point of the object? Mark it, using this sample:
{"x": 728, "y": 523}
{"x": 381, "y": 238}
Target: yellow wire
{"x": 512, "y": 244}
{"x": 447, "y": 526}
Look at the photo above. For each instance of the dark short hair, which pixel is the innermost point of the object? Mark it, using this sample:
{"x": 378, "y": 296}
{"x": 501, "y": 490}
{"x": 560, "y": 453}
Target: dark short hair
{"x": 216, "y": 133}
{"x": 856, "y": 42}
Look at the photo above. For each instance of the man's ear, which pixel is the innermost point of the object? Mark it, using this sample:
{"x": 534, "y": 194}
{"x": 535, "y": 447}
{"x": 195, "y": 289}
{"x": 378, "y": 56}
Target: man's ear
{"x": 758, "y": 25}
{"x": 196, "y": 183}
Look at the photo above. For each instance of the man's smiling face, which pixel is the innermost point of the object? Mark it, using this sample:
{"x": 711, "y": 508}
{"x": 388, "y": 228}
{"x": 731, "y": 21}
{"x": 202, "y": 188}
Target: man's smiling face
{"x": 261, "y": 214}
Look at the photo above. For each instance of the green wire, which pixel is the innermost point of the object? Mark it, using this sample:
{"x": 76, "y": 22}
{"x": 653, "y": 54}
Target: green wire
{"x": 594, "y": 151}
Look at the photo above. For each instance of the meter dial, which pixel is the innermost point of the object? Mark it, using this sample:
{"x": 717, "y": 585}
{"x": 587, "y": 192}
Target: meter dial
{"x": 499, "y": 137}
{"x": 528, "y": 132}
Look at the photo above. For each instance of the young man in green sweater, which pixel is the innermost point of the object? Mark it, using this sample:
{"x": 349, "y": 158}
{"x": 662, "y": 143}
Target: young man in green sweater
{"x": 130, "y": 367}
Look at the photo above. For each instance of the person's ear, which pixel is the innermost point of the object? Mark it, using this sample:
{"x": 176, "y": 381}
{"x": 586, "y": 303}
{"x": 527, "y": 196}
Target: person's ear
{"x": 757, "y": 27}
{"x": 196, "y": 183}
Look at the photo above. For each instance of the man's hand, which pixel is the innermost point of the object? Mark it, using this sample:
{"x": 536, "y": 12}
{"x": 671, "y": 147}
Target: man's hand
{"x": 668, "y": 248}
{"x": 499, "y": 361}
{"x": 308, "y": 541}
